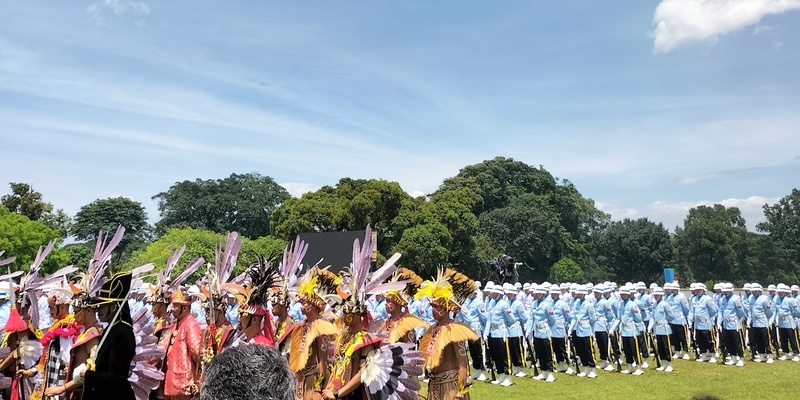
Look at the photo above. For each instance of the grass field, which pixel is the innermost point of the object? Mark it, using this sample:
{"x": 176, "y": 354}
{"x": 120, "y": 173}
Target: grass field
{"x": 690, "y": 378}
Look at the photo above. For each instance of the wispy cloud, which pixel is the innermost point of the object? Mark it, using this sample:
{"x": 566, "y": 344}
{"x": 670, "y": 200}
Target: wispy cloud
{"x": 681, "y": 21}
{"x": 674, "y": 213}
{"x": 99, "y": 12}
{"x": 716, "y": 174}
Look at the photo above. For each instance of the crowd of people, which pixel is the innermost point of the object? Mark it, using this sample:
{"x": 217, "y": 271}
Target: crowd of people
{"x": 287, "y": 329}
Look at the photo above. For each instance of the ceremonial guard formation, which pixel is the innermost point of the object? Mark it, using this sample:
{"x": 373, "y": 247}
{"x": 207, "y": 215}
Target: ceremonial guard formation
{"x": 365, "y": 333}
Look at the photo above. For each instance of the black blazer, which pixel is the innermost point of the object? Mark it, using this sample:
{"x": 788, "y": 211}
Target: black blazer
{"x": 112, "y": 366}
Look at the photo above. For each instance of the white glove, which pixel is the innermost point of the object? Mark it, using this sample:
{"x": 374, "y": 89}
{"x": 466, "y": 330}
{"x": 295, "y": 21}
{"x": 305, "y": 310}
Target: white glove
{"x": 76, "y": 374}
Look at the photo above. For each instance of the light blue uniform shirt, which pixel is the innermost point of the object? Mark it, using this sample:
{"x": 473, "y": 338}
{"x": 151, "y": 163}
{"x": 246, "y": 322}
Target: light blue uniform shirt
{"x": 629, "y": 317}
{"x": 295, "y": 311}
{"x": 585, "y": 318}
{"x": 786, "y": 310}
{"x": 660, "y": 318}
{"x": 604, "y": 312}
{"x": 731, "y": 312}
{"x": 518, "y": 316}
{"x": 680, "y": 308}
{"x": 563, "y": 317}
{"x": 542, "y": 318}
{"x": 499, "y": 319}
{"x": 703, "y": 312}
{"x": 760, "y": 311}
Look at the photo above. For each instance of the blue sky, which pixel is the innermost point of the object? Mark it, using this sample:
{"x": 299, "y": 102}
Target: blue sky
{"x": 649, "y": 108}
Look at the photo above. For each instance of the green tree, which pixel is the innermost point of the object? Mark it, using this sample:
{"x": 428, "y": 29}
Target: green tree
{"x": 201, "y": 243}
{"x": 21, "y": 237}
{"x": 26, "y": 201}
{"x": 633, "y": 250}
{"x": 424, "y": 248}
{"x": 566, "y": 270}
{"x": 240, "y": 202}
{"x": 711, "y": 244}
{"x": 783, "y": 224}
{"x": 106, "y": 215}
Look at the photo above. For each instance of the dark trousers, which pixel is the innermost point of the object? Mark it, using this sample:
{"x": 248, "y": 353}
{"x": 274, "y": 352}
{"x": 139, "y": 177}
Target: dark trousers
{"x": 560, "y": 348}
{"x": 515, "y": 348}
{"x": 476, "y": 353}
{"x": 664, "y": 350}
{"x": 704, "y": 340}
{"x": 678, "y": 338}
{"x": 615, "y": 345}
{"x": 499, "y": 354}
{"x": 773, "y": 334}
{"x": 641, "y": 340}
{"x": 583, "y": 346}
{"x": 760, "y": 341}
{"x": 544, "y": 353}
{"x": 788, "y": 337}
{"x": 733, "y": 342}
{"x": 602, "y": 344}
{"x": 631, "y": 350}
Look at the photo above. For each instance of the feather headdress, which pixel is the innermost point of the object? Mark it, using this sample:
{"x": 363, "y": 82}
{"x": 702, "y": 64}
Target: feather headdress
{"x": 357, "y": 284}
{"x": 89, "y": 283}
{"x": 404, "y": 296}
{"x": 254, "y": 296}
{"x": 290, "y": 267}
{"x": 218, "y": 275}
{"x": 31, "y": 284}
{"x": 450, "y": 289}
{"x": 6, "y": 261}
{"x": 319, "y": 286}
{"x": 165, "y": 284}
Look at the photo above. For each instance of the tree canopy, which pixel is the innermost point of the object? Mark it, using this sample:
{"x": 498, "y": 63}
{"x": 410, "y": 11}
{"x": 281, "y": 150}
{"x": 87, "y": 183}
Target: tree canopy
{"x": 633, "y": 250}
{"x": 106, "y": 215}
{"x": 240, "y": 202}
{"x": 21, "y": 237}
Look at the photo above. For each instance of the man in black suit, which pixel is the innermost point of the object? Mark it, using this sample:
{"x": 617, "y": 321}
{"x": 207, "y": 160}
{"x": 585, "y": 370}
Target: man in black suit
{"x": 109, "y": 377}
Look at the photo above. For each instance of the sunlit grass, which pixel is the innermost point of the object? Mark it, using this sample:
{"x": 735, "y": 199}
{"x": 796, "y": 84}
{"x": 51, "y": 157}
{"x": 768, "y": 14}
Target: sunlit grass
{"x": 690, "y": 378}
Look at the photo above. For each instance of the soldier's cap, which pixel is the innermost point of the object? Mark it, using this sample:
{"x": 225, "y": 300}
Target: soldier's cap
{"x": 526, "y": 286}
{"x": 658, "y": 291}
{"x": 641, "y": 285}
{"x": 795, "y": 288}
{"x": 613, "y": 285}
{"x": 539, "y": 289}
{"x": 518, "y": 285}
{"x": 607, "y": 289}
{"x": 756, "y": 287}
{"x": 747, "y": 286}
{"x": 783, "y": 288}
{"x": 497, "y": 289}
{"x": 717, "y": 286}
{"x": 589, "y": 286}
{"x": 726, "y": 287}
{"x": 598, "y": 289}
{"x": 624, "y": 290}
{"x": 554, "y": 290}
{"x": 510, "y": 291}
{"x": 478, "y": 283}
{"x": 563, "y": 286}
{"x": 581, "y": 290}
{"x": 771, "y": 287}
{"x": 653, "y": 285}
{"x": 693, "y": 286}
{"x": 702, "y": 286}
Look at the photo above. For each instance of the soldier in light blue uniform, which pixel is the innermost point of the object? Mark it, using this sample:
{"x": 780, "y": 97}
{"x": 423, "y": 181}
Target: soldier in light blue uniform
{"x": 558, "y": 332}
{"x": 542, "y": 321}
{"x": 604, "y": 314}
{"x": 583, "y": 331}
{"x": 498, "y": 320}
{"x": 680, "y": 311}
{"x": 473, "y": 315}
{"x": 515, "y": 339}
{"x": 701, "y": 320}
{"x": 295, "y": 311}
{"x": 759, "y": 315}
{"x": 643, "y": 300}
{"x": 731, "y": 313}
{"x": 659, "y": 324}
{"x": 786, "y": 310}
{"x": 629, "y": 317}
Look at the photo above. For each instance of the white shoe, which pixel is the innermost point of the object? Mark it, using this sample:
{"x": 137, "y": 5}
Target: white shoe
{"x": 497, "y": 381}
{"x": 561, "y": 367}
{"x": 506, "y": 382}
{"x": 739, "y": 362}
{"x": 627, "y": 370}
{"x": 551, "y": 377}
{"x": 782, "y": 358}
{"x": 712, "y": 360}
{"x": 582, "y": 374}
{"x": 661, "y": 368}
{"x": 769, "y": 360}
{"x": 686, "y": 355}
{"x": 474, "y": 374}
{"x": 542, "y": 376}
{"x": 703, "y": 358}
{"x": 521, "y": 374}
{"x": 482, "y": 376}
{"x": 645, "y": 365}
{"x": 637, "y": 372}
{"x": 796, "y": 358}
{"x": 569, "y": 371}
{"x": 609, "y": 368}
{"x": 676, "y": 355}
{"x": 669, "y": 367}
{"x": 757, "y": 358}
{"x": 592, "y": 373}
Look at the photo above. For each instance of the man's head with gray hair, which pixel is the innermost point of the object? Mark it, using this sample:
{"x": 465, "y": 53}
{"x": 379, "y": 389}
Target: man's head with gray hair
{"x": 248, "y": 372}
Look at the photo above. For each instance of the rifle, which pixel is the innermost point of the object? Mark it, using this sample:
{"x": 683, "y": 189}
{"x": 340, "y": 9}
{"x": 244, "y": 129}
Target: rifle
{"x": 615, "y": 353}
{"x": 694, "y": 344}
{"x": 574, "y": 355}
{"x": 655, "y": 349}
{"x": 722, "y": 349}
{"x": 489, "y": 361}
{"x": 531, "y": 356}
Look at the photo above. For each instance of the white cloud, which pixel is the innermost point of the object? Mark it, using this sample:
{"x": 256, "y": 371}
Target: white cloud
{"x": 777, "y": 43}
{"x": 98, "y": 11}
{"x": 673, "y": 213}
{"x": 298, "y": 189}
{"x": 679, "y": 21}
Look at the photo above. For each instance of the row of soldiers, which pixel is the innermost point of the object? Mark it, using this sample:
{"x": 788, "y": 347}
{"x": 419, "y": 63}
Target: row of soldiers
{"x": 563, "y": 324}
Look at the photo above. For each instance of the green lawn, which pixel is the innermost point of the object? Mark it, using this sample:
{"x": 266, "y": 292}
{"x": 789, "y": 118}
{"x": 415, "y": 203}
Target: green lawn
{"x": 690, "y": 378}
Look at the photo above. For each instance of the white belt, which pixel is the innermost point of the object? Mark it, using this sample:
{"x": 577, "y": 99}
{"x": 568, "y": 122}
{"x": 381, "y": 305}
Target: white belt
{"x": 584, "y": 322}
{"x": 730, "y": 319}
{"x": 542, "y": 325}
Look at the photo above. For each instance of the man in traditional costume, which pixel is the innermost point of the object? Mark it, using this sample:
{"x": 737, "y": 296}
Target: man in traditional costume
{"x": 444, "y": 345}
{"x": 182, "y": 379}
{"x": 255, "y": 321}
{"x": 400, "y": 325}
{"x": 311, "y": 340}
